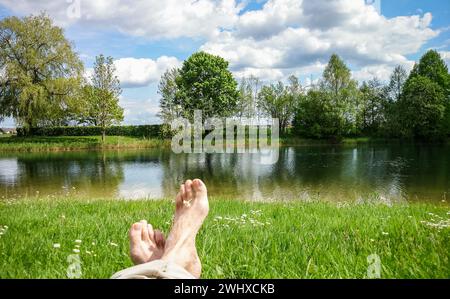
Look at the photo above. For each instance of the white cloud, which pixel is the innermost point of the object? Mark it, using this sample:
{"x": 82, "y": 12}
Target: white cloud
{"x": 133, "y": 72}
{"x": 140, "y": 112}
{"x": 293, "y": 36}
{"x": 140, "y": 72}
{"x": 149, "y": 18}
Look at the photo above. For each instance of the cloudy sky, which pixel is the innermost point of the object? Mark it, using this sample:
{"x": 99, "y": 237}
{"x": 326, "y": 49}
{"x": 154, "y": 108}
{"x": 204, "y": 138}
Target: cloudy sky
{"x": 269, "y": 39}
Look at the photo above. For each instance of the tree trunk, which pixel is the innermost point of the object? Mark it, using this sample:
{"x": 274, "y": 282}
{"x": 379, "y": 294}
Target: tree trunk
{"x": 103, "y": 135}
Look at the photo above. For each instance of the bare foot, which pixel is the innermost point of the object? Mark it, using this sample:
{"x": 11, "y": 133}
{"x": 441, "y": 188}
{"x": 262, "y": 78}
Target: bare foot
{"x": 146, "y": 244}
{"x": 192, "y": 207}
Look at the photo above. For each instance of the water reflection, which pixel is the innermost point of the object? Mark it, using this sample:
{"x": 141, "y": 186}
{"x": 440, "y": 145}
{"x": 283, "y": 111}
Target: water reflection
{"x": 387, "y": 172}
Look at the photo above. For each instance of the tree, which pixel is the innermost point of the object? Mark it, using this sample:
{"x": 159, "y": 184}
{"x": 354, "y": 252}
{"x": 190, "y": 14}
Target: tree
{"x": 248, "y": 97}
{"x": 103, "y": 96}
{"x": 336, "y": 76}
{"x": 372, "y": 101}
{"x": 337, "y": 100}
{"x": 41, "y": 72}
{"x": 316, "y": 116}
{"x": 280, "y": 101}
{"x": 396, "y": 83}
{"x": 433, "y": 67}
{"x": 168, "y": 90}
{"x": 391, "y": 95}
{"x": 205, "y": 83}
{"x": 422, "y": 107}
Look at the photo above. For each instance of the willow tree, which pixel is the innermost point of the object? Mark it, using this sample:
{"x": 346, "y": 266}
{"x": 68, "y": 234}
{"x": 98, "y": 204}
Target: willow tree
{"x": 40, "y": 74}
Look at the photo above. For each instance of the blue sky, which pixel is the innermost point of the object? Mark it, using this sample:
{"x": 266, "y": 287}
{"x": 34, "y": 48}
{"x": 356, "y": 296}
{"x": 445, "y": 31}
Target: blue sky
{"x": 269, "y": 39}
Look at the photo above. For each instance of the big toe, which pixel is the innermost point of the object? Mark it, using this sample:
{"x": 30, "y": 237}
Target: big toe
{"x": 135, "y": 233}
{"x": 199, "y": 187}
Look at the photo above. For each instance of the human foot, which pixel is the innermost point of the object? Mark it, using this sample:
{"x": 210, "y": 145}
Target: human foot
{"x": 146, "y": 244}
{"x": 192, "y": 207}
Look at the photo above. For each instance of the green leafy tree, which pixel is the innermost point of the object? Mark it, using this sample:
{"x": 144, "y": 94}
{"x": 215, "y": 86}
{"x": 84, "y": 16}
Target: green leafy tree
{"x": 392, "y": 94}
{"x": 42, "y": 74}
{"x": 205, "y": 83}
{"x": 102, "y": 97}
{"x": 247, "y": 105}
{"x": 168, "y": 90}
{"x": 433, "y": 67}
{"x": 316, "y": 116}
{"x": 280, "y": 101}
{"x": 422, "y": 107}
{"x": 397, "y": 81}
{"x": 336, "y": 98}
{"x": 372, "y": 101}
{"x": 337, "y": 77}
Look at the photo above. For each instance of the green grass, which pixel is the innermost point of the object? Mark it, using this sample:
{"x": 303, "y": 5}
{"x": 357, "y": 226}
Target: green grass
{"x": 277, "y": 240}
{"x": 69, "y": 143}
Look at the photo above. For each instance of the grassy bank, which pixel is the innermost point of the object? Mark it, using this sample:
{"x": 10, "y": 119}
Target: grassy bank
{"x": 238, "y": 240}
{"x": 70, "y": 143}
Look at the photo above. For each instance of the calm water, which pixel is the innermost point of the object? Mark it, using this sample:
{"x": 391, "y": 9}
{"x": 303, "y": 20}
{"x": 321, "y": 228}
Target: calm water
{"x": 365, "y": 172}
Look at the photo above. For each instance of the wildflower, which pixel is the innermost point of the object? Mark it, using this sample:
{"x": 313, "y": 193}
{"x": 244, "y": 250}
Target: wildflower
{"x": 372, "y": 240}
{"x": 384, "y": 233}
{"x": 93, "y": 243}
{"x": 78, "y": 241}
{"x": 56, "y": 245}
{"x": 77, "y": 246}
{"x": 76, "y": 250}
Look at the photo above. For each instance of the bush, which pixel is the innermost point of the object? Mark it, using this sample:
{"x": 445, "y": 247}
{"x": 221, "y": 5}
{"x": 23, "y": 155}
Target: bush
{"x": 147, "y": 131}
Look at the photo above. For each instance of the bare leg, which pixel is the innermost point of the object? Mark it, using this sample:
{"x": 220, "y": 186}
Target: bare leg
{"x": 192, "y": 207}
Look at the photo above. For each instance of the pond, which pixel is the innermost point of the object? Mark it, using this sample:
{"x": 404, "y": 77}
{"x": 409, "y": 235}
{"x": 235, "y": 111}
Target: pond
{"x": 391, "y": 173}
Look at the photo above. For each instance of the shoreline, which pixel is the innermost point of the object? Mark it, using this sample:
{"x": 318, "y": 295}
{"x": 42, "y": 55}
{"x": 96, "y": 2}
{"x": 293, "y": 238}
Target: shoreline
{"x": 13, "y": 144}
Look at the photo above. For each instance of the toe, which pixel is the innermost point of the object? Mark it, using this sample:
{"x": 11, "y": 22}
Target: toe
{"x": 151, "y": 233}
{"x": 199, "y": 186}
{"x": 145, "y": 230}
{"x": 181, "y": 195}
{"x": 135, "y": 233}
{"x": 189, "y": 192}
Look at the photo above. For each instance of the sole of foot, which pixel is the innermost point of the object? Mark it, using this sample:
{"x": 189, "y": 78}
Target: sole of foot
{"x": 146, "y": 244}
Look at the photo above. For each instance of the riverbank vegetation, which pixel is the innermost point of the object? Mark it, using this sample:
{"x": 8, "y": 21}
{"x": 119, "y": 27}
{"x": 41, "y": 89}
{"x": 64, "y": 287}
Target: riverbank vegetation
{"x": 238, "y": 240}
{"x": 70, "y": 143}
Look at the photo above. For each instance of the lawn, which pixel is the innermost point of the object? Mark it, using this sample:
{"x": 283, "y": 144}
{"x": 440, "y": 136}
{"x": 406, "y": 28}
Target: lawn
{"x": 67, "y": 143}
{"x": 239, "y": 239}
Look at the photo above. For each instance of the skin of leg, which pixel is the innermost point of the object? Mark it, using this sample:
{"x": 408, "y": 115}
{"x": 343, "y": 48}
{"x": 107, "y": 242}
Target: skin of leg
{"x": 192, "y": 207}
